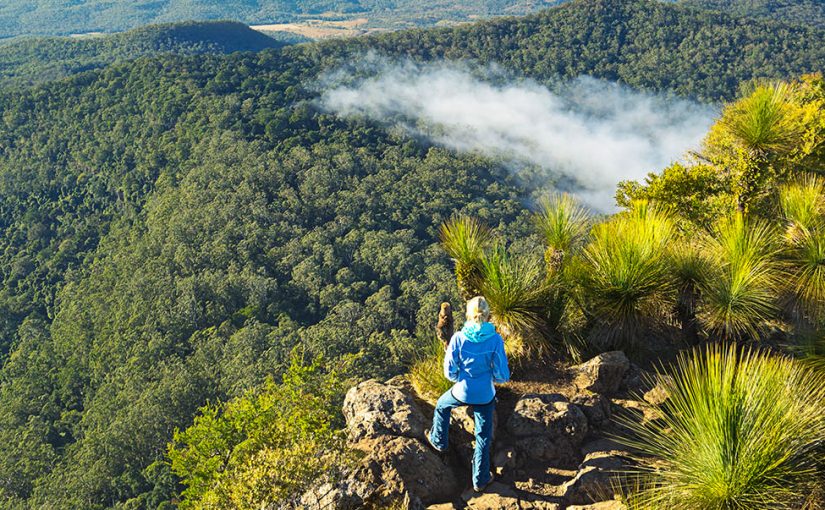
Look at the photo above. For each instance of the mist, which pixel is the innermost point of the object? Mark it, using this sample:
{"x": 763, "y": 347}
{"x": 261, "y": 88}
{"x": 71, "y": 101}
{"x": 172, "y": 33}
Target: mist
{"x": 586, "y": 136}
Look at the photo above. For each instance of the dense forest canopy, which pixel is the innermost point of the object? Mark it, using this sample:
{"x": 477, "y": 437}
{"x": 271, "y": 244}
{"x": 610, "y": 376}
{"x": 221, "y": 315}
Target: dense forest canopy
{"x": 25, "y": 61}
{"x": 799, "y": 11}
{"x": 174, "y": 227}
{"x": 61, "y": 17}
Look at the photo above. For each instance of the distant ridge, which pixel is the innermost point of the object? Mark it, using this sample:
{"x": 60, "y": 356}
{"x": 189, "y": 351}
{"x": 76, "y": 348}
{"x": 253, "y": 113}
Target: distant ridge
{"x": 27, "y": 61}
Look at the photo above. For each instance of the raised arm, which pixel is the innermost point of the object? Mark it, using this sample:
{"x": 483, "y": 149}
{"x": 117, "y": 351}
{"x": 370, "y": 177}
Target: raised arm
{"x": 451, "y": 361}
{"x": 501, "y": 371}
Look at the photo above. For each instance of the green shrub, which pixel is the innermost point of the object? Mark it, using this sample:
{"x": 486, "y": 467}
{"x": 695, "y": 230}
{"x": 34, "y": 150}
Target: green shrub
{"x": 739, "y": 296}
{"x": 516, "y": 289}
{"x": 625, "y": 282}
{"x": 427, "y": 373}
{"x": 464, "y": 239}
{"x": 741, "y": 430}
{"x": 264, "y": 447}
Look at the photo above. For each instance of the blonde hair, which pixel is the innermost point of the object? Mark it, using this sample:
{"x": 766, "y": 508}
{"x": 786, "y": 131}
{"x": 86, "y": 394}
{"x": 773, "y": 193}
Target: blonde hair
{"x": 478, "y": 310}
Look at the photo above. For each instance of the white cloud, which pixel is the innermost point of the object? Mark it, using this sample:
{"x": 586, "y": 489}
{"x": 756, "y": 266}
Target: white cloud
{"x": 592, "y": 133}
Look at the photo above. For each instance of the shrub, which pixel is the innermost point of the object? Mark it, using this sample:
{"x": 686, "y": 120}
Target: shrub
{"x": 516, "y": 289}
{"x": 427, "y": 373}
{"x": 464, "y": 240}
{"x": 739, "y": 296}
{"x": 625, "y": 282}
{"x": 264, "y": 447}
{"x": 741, "y": 430}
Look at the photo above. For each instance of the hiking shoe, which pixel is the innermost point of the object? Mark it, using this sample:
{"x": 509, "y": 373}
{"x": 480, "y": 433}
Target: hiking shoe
{"x": 430, "y": 442}
{"x": 481, "y": 489}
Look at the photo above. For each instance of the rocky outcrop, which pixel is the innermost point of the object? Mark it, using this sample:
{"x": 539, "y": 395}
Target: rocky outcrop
{"x": 548, "y": 428}
{"x": 374, "y": 409}
{"x": 603, "y": 374}
{"x": 548, "y": 451}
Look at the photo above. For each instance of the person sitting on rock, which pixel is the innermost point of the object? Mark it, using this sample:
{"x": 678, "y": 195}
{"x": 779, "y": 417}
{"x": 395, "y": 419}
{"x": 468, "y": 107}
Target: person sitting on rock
{"x": 474, "y": 361}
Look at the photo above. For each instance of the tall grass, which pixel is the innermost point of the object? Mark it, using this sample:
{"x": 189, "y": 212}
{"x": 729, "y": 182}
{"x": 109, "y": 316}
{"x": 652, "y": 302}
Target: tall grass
{"x": 427, "y": 372}
{"x": 516, "y": 289}
{"x": 464, "y": 239}
{"x": 741, "y": 430}
{"x": 625, "y": 282}
{"x": 739, "y": 297}
{"x": 563, "y": 223}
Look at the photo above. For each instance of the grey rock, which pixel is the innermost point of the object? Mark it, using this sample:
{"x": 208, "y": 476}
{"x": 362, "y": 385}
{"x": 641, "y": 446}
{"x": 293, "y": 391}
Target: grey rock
{"x": 596, "y": 407}
{"x": 372, "y": 409}
{"x": 603, "y": 374}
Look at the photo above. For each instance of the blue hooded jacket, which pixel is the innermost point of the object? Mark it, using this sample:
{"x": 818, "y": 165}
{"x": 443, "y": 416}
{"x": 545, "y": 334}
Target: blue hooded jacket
{"x": 474, "y": 360}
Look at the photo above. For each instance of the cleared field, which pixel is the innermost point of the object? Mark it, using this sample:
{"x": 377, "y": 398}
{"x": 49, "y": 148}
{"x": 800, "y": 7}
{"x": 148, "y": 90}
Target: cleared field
{"x": 321, "y": 29}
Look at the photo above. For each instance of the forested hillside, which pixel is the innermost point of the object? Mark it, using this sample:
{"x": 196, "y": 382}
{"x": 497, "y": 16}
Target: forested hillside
{"x": 60, "y": 17}
{"x": 36, "y": 60}
{"x": 173, "y": 228}
{"x": 699, "y": 54}
{"x": 810, "y": 12}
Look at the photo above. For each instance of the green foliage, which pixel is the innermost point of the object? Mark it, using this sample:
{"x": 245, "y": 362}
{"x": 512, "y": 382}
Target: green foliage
{"x": 741, "y": 429}
{"x": 35, "y": 60}
{"x": 766, "y": 121}
{"x": 427, "y": 372}
{"x": 265, "y": 446}
{"x": 797, "y": 11}
{"x": 766, "y": 138}
{"x": 515, "y": 288}
{"x": 464, "y": 239}
{"x": 625, "y": 283}
{"x": 803, "y": 206}
{"x": 739, "y": 296}
{"x": 563, "y": 223}
{"x": 698, "y": 192}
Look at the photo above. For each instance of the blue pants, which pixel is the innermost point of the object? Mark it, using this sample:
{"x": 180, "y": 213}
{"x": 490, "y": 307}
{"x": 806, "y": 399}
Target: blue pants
{"x": 483, "y": 415}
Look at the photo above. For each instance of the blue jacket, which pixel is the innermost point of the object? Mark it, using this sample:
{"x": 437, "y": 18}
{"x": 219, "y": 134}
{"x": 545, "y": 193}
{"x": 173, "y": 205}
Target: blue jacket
{"x": 474, "y": 360}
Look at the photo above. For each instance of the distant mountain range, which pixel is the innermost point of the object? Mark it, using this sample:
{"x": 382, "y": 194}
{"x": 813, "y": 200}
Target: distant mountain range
{"x": 29, "y": 60}
{"x": 65, "y": 17}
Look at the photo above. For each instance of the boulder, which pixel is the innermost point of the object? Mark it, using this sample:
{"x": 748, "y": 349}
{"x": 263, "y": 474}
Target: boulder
{"x": 547, "y": 427}
{"x": 603, "y": 374}
{"x": 594, "y": 480}
{"x": 602, "y": 505}
{"x": 404, "y": 467}
{"x": 372, "y": 409}
{"x": 596, "y": 408}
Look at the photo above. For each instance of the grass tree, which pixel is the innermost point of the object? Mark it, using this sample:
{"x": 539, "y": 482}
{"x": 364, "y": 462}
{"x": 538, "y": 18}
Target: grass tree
{"x": 464, "y": 239}
{"x": 740, "y": 294}
{"x": 625, "y": 283}
{"x": 758, "y": 136}
{"x": 516, "y": 289}
{"x": 740, "y": 430}
{"x": 563, "y": 223}
{"x": 690, "y": 271}
{"x": 803, "y": 208}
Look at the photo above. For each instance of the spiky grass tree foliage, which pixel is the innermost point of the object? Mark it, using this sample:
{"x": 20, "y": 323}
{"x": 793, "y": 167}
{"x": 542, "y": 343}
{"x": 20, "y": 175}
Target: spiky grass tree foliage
{"x": 766, "y": 121}
{"x": 741, "y": 430}
{"x": 803, "y": 207}
{"x": 740, "y": 294}
{"x": 690, "y": 269}
{"x": 516, "y": 290}
{"x": 563, "y": 223}
{"x": 625, "y": 282}
{"x": 464, "y": 240}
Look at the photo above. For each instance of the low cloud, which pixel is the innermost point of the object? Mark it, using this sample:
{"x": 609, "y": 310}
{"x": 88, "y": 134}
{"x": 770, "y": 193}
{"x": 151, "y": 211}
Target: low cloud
{"x": 587, "y": 136}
